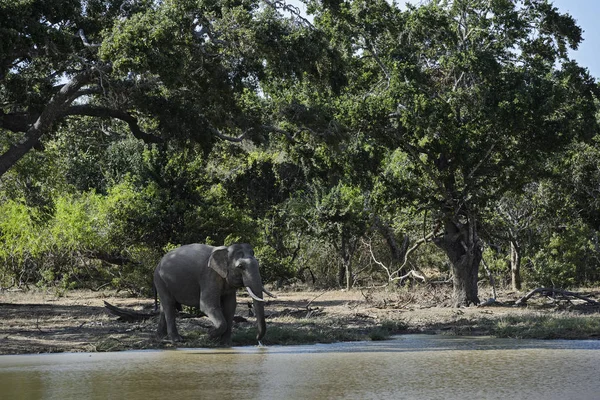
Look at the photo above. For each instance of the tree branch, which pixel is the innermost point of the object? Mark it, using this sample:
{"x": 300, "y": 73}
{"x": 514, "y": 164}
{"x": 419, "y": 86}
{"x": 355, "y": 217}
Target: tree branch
{"x": 55, "y": 107}
{"x": 417, "y": 244}
{"x": 388, "y": 234}
{"x": 103, "y": 112}
{"x": 372, "y": 50}
{"x": 81, "y": 34}
{"x": 233, "y": 139}
{"x": 395, "y": 276}
{"x": 485, "y": 157}
{"x": 552, "y": 291}
{"x": 382, "y": 265}
{"x": 281, "y": 131}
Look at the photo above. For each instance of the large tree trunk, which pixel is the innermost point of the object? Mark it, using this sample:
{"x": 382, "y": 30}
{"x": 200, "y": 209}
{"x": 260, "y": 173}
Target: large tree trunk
{"x": 341, "y": 276}
{"x": 345, "y": 273}
{"x": 349, "y": 279}
{"x": 515, "y": 265}
{"x": 346, "y": 251}
{"x": 461, "y": 244}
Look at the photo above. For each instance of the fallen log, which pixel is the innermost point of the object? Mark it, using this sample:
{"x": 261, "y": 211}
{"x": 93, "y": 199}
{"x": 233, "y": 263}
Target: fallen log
{"x": 129, "y": 315}
{"x": 551, "y": 292}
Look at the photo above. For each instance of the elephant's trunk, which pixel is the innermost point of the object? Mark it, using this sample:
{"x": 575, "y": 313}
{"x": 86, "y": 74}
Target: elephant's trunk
{"x": 254, "y": 286}
{"x": 259, "y": 311}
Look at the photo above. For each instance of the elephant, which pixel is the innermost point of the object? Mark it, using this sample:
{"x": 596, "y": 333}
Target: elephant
{"x": 208, "y": 277}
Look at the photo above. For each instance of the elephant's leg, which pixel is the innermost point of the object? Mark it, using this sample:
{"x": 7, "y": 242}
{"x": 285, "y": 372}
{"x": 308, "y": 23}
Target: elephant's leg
{"x": 161, "y": 332}
{"x": 170, "y": 312}
{"x": 211, "y": 306}
{"x": 229, "y": 303}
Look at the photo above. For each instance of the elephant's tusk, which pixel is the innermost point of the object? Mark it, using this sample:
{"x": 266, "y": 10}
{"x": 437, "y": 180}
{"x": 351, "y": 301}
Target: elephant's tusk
{"x": 251, "y": 293}
{"x": 269, "y": 293}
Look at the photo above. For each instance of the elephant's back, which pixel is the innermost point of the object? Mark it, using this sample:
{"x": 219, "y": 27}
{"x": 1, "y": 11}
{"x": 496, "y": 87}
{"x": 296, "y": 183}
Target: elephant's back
{"x": 187, "y": 255}
{"x": 184, "y": 263}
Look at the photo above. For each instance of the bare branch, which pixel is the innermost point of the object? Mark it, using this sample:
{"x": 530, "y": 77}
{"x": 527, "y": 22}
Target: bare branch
{"x": 417, "y": 244}
{"x": 281, "y": 131}
{"x": 388, "y": 234}
{"x": 485, "y": 157}
{"x": 395, "y": 276}
{"x": 490, "y": 277}
{"x": 81, "y": 34}
{"x": 373, "y": 51}
{"x": 553, "y": 291}
{"x": 233, "y": 139}
{"x": 413, "y": 273}
{"x": 382, "y": 265}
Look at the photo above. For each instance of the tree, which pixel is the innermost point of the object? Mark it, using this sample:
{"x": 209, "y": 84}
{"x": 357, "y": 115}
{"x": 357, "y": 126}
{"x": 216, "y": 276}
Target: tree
{"x": 177, "y": 76}
{"x": 47, "y": 63}
{"x": 170, "y": 70}
{"x": 474, "y": 93}
{"x": 518, "y": 213}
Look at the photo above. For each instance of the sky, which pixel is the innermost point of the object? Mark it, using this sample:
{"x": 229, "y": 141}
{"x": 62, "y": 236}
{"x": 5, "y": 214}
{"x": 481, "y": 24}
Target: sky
{"x": 586, "y": 13}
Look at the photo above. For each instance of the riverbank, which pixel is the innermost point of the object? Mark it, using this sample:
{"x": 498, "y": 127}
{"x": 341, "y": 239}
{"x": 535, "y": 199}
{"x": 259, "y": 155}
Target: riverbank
{"x": 41, "y": 322}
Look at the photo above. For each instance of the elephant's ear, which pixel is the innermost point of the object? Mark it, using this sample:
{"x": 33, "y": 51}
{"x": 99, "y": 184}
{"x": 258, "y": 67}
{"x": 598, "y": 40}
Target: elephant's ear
{"x": 218, "y": 261}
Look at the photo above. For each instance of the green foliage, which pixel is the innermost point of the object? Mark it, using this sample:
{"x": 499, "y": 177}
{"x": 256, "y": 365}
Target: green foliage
{"x": 565, "y": 259}
{"x": 434, "y": 116}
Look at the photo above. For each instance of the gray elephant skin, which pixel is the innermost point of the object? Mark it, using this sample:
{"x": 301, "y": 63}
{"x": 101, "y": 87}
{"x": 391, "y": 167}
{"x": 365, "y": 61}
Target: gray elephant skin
{"x": 208, "y": 277}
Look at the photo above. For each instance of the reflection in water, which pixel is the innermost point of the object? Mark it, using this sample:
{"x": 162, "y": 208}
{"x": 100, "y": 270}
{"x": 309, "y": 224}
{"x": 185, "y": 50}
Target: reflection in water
{"x": 411, "y": 366}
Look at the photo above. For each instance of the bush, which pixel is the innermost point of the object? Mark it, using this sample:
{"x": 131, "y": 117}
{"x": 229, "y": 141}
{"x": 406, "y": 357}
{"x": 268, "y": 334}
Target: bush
{"x": 566, "y": 260}
{"x": 82, "y": 244}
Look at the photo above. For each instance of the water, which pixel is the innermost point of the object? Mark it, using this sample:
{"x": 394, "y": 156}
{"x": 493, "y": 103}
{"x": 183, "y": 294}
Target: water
{"x": 408, "y": 367}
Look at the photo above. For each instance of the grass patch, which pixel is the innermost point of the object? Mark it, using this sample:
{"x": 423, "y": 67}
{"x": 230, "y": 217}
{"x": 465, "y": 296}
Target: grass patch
{"x": 387, "y": 329}
{"x": 316, "y": 330}
{"x": 547, "y": 327}
{"x": 280, "y": 333}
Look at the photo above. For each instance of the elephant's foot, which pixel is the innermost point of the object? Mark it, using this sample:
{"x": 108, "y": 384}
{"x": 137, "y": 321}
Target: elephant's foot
{"x": 176, "y": 337}
{"x": 220, "y": 340}
{"x": 164, "y": 337}
{"x": 160, "y": 334}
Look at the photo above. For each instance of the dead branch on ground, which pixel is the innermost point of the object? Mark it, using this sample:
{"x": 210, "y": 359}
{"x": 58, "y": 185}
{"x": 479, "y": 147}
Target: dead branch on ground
{"x": 128, "y": 315}
{"x": 551, "y": 292}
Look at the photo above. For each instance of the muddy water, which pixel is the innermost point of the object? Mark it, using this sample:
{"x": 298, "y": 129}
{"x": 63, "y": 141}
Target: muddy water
{"x": 411, "y": 366}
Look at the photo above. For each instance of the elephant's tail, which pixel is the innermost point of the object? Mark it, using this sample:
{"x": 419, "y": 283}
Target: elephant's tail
{"x": 155, "y": 297}
{"x": 177, "y": 305}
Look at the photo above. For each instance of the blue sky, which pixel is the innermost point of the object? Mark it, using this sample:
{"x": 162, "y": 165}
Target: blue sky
{"x": 586, "y": 13}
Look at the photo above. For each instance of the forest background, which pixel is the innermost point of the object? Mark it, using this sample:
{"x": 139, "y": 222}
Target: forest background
{"x": 348, "y": 149}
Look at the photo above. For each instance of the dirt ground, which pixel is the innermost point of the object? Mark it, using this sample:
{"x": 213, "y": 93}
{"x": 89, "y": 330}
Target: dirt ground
{"x": 41, "y": 322}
